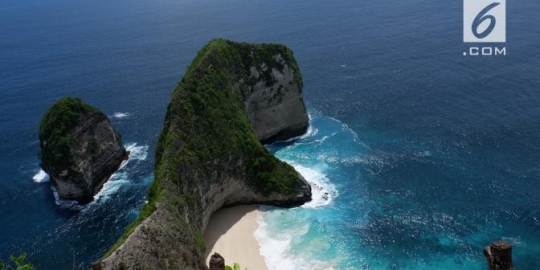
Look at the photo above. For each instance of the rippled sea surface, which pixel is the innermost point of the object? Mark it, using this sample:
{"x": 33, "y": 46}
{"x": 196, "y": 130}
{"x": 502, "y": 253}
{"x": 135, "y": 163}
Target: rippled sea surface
{"x": 418, "y": 156}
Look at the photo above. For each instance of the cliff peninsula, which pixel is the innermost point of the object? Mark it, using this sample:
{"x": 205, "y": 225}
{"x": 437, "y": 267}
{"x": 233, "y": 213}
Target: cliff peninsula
{"x": 209, "y": 155}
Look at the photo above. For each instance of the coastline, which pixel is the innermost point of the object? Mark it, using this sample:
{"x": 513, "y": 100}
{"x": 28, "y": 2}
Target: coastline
{"x": 230, "y": 233}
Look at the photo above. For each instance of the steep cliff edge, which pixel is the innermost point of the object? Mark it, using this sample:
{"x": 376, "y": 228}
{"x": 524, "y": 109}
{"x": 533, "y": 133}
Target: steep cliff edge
{"x": 275, "y": 105}
{"x": 209, "y": 153}
{"x": 79, "y": 149}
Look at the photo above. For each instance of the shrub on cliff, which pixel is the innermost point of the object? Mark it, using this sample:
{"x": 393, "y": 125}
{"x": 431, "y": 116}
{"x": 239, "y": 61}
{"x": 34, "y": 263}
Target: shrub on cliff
{"x": 19, "y": 263}
{"x": 56, "y": 125}
{"x": 79, "y": 148}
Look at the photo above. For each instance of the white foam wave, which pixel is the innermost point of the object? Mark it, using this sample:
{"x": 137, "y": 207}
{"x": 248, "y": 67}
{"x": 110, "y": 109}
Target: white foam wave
{"x": 66, "y": 204}
{"x": 277, "y": 252}
{"x": 310, "y": 132}
{"x": 323, "y": 192}
{"x": 120, "y": 177}
{"x": 274, "y": 250}
{"x": 121, "y": 115}
{"x": 112, "y": 186}
{"x": 41, "y": 177}
{"x": 324, "y": 138}
{"x": 117, "y": 180}
{"x": 137, "y": 152}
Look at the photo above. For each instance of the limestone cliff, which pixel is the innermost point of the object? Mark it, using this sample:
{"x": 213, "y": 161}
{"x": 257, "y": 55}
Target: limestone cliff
{"x": 209, "y": 154}
{"x": 79, "y": 149}
{"x": 275, "y": 105}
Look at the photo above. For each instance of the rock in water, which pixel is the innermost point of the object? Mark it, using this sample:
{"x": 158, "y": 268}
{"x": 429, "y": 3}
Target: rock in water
{"x": 217, "y": 262}
{"x": 209, "y": 154}
{"x": 79, "y": 149}
{"x": 499, "y": 255}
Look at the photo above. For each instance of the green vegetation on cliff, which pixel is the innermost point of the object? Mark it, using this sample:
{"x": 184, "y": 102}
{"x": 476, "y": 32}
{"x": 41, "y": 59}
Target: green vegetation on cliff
{"x": 208, "y": 139}
{"x": 18, "y": 263}
{"x": 206, "y": 118}
{"x": 79, "y": 148}
{"x": 56, "y": 126}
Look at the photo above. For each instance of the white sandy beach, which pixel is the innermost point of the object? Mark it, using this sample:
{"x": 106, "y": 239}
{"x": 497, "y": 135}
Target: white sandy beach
{"x": 230, "y": 233}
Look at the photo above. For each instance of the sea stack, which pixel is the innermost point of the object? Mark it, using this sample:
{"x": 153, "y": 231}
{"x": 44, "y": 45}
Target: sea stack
{"x": 79, "y": 149}
{"x": 499, "y": 255}
{"x": 209, "y": 155}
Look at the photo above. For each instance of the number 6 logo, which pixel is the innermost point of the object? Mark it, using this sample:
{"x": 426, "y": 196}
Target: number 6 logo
{"x": 480, "y": 18}
{"x": 484, "y": 21}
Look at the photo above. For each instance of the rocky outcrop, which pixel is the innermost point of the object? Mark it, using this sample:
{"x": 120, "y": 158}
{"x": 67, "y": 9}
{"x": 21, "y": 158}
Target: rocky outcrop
{"x": 275, "y": 106}
{"x": 499, "y": 255}
{"x": 217, "y": 262}
{"x": 79, "y": 149}
{"x": 209, "y": 154}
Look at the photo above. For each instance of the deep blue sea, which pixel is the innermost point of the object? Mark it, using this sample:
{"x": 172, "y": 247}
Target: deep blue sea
{"x": 426, "y": 155}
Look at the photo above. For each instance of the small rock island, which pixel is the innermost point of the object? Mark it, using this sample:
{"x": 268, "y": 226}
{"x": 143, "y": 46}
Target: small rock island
{"x": 209, "y": 155}
{"x": 79, "y": 149}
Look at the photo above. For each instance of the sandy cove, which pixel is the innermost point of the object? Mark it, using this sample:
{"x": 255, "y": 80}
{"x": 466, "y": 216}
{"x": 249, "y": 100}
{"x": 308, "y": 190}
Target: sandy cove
{"x": 230, "y": 233}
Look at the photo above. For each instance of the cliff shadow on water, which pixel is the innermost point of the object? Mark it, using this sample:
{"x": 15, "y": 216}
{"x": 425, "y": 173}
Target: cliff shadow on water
{"x": 209, "y": 155}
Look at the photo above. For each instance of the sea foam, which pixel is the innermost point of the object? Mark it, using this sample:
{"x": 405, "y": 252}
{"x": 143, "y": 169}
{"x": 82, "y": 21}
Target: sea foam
{"x": 117, "y": 180}
{"x": 137, "y": 152}
{"x": 322, "y": 190}
{"x": 274, "y": 250}
{"x": 41, "y": 177}
{"x": 277, "y": 247}
{"x": 121, "y": 177}
{"x": 66, "y": 204}
{"x": 121, "y": 115}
